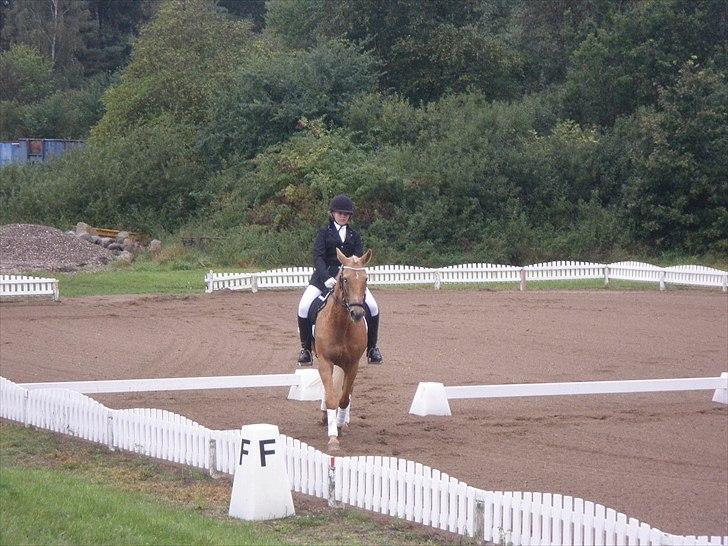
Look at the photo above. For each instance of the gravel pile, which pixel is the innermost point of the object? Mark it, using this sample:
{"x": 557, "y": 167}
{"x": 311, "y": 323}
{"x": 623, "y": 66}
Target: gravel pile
{"x": 29, "y": 247}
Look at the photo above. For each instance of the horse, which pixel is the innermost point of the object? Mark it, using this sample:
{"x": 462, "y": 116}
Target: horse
{"x": 341, "y": 339}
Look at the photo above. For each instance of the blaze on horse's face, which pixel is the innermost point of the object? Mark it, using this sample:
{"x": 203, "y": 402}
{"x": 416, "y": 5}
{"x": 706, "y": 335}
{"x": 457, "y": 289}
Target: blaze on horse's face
{"x": 352, "y": 283}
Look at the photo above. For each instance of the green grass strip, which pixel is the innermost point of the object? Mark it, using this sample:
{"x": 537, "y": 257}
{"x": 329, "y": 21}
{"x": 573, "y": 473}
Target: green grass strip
{"x": 132, "y": 282}
{"x": 43, "y": 506}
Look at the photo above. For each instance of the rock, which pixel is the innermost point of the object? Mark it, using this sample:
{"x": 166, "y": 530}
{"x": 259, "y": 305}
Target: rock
{"x": 106, "y": 241}
{"x": 86, "y": 237}
{"x": 95, "y": 239}
{"x": 125, "y": 256}
{"x": 83, "y": 227}
{"x": 115, "y": 246}
{"x": 155, "y": 246}
{"x": 121, "y": 236}
{"x": 131, "y": 245}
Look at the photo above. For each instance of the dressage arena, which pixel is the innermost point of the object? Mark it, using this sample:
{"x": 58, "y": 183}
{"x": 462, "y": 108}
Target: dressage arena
{"x": 658, "y": 457}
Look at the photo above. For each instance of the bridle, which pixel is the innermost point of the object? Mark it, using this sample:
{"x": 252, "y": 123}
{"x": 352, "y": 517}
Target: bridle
{"x": 344, "y": 302}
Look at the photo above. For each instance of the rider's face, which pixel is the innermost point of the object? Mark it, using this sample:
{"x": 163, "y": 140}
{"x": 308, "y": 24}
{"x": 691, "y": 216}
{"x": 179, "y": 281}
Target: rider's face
{"x": 341, "y": 218}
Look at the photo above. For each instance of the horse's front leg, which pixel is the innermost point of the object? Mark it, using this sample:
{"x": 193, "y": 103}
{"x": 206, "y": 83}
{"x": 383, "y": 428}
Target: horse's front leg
{"x": 326, "y": 370}
{"x": 343, "y": 414}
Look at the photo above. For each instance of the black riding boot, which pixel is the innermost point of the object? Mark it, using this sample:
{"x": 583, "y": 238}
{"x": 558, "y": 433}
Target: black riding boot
{"x": 304, "y": 330}
{"x": 374, "y": 356}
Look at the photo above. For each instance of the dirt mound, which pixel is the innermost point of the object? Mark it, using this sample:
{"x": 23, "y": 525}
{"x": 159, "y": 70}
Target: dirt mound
{"x": 30, "y": 247}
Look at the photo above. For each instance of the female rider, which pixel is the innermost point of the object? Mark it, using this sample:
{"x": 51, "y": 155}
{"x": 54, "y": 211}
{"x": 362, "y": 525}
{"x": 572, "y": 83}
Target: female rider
{"x": 338, "y": 234}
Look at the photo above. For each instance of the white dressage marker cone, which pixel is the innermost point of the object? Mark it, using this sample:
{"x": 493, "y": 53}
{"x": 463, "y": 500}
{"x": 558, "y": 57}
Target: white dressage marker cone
{"x": 310, "y": 387}
{"x": 260, "y": 487}
{"x": 721, "y": 393}
{"x": 430, "y": 399}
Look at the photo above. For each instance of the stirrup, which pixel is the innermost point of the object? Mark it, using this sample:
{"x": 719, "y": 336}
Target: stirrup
{"x": 374, "y": 356}
{"x": 304, "y": 358}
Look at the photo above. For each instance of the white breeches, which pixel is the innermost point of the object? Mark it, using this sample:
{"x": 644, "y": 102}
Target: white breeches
{"x": 311, "y": 293}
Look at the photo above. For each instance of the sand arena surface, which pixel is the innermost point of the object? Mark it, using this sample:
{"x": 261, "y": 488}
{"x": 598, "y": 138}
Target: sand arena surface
{"x": 661, "y": 458}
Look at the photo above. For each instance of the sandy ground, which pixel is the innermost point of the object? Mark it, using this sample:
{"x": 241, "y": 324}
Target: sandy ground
{"x": 661, "y": 458}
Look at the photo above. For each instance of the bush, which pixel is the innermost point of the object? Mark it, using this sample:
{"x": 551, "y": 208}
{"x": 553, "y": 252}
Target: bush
{"x": 270, "y": 94}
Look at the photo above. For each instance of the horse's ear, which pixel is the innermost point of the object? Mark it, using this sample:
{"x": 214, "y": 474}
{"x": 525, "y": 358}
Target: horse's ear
{"x": 367, "y": 256}
{"x": 342, "y": 257}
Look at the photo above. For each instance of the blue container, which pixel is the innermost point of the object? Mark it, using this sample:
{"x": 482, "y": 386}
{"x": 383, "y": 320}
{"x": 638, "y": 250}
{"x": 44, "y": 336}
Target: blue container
{"x": 34, "y": 149}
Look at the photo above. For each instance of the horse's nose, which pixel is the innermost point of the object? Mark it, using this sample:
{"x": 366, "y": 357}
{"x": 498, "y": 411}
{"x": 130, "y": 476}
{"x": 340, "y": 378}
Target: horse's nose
{"x": 356, "y": 313}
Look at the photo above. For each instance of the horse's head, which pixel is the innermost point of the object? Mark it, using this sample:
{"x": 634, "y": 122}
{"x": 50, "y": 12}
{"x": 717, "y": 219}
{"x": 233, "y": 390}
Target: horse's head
{"x": 352, "y": 283}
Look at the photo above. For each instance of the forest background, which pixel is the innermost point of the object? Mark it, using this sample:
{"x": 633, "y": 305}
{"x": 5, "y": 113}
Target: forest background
{"x": 501, "y": 131}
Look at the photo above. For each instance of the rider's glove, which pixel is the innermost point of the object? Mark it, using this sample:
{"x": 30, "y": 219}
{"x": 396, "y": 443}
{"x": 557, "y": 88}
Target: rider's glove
{"x": 330, "y": 282}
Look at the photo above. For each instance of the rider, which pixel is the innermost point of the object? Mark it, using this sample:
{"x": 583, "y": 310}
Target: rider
{"x": 338, "y": 234}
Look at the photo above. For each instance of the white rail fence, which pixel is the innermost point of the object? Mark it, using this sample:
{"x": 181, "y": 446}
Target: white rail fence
{"x": 387, "y": 485}
{"x": 304, "y": 384}
{"x": 394, "y": 275}
{"x": 432, "y": 398}
{"x": 14, "y": 286}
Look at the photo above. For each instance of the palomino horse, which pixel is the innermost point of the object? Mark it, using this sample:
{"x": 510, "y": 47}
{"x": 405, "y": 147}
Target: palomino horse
{"x": 341, "y": 339}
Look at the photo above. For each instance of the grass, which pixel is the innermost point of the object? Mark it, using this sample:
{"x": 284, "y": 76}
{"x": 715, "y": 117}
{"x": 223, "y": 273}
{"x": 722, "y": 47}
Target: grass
{"x": 42, "y": 506}
{"x": 130, "y": 281}
{"x": 55, "y": 489}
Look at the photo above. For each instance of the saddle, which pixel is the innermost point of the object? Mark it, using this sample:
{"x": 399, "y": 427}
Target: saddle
{"x": 316, "y": 306}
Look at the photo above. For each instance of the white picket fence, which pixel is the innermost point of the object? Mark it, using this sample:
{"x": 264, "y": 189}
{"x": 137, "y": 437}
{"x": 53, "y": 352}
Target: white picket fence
{"x": 387, "y": 485}
{"x": 13, "y": 286}
{"x": 394, "y": 275}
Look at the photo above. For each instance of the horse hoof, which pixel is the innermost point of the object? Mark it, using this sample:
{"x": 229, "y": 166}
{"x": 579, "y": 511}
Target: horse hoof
{"x": 334, "y": 444}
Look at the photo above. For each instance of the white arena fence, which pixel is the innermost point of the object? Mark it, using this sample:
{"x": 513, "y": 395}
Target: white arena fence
{"x": 14, "y": 286}
{"x": 394, "y": 275}
{"x": 432, "y": 398}
{"x": 387, "y": 485}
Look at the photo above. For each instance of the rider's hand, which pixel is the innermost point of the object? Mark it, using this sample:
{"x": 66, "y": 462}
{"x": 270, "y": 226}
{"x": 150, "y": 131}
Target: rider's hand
{"x": 330, "y": 282}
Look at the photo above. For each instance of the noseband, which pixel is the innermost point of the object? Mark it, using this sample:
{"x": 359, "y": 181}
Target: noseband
{"x": 344, "y": 302}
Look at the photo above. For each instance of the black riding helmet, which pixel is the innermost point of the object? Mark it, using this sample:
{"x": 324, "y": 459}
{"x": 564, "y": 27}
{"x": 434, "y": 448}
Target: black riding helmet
{"x": 341, "y": 203}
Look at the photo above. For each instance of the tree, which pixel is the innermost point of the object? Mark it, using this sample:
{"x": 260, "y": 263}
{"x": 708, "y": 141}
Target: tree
{"x": 427, "y": 47}
{"x": 54, "y": 27}
{"x": 623, "y": 64}
{"x": 180, "y": 61}
{"x": 677, "y": 197}
{"x": 546, "y": 33}
{"x": 114, "y": 26}
{"x": 25, "y": 74}
{"x": 267, "y": 97}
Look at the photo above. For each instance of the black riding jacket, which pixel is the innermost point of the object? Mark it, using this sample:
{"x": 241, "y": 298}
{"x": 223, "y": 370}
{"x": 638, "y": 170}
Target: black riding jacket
{"x": 325, "y": 262}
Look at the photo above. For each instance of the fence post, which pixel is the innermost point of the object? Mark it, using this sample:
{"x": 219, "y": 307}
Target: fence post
{"x": 254, "y": 283}
{"x": 26, "y": 394}
{"x": 438, "y": 280}
{"x": 523, "y": 279}
{"x": 606, "y": 276}
{"x": 332, "y": 482}
{"x": 725, "y": 283}
{"x": 110, "y": 431}
{"x": 662, "y": 280}
{"x": 479, "y": 523}
{"x": 55, "y": 291}
{"x": 208, "y": 282}
{"x": 212, "y": 451}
